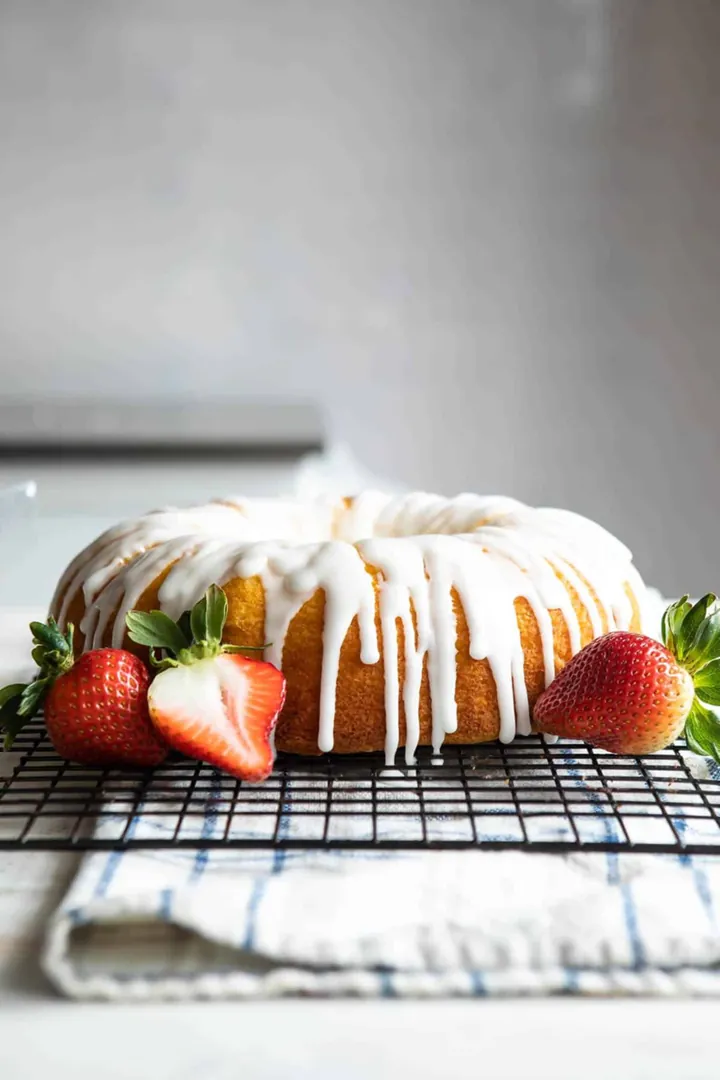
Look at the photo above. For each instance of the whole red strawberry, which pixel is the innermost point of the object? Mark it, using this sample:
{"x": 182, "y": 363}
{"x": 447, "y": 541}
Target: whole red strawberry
{"x": 630, "y": 694}
{"x": 96, "y": 709}
{"x": 98, "y": 712}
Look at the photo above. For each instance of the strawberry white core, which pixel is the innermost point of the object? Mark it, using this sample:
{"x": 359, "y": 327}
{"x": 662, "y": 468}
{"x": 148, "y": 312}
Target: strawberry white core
{"x": 207, "y": 694}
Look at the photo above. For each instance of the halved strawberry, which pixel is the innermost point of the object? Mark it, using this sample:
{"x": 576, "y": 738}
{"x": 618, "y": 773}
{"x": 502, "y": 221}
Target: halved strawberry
{"x": 222, "y": 711}
{"x": 209, "y": 701}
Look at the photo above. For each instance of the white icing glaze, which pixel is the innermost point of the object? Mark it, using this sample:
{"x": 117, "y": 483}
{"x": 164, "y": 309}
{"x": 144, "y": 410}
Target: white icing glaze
{"x": 490, "y": 550}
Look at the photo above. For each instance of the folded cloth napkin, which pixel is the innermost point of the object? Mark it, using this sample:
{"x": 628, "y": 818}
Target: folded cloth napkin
{"x": 223, "y": 923}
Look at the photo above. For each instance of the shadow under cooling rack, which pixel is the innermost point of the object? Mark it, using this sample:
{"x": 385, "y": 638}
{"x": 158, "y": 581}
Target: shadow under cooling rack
{"x": 527, "y": 796}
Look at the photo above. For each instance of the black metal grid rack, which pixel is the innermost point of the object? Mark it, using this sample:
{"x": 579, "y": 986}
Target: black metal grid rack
{"x": 527, "y": 795}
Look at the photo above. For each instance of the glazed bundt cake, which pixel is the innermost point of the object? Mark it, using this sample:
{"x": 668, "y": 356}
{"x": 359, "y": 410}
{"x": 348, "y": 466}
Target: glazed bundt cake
{"x": 397, "y": 621}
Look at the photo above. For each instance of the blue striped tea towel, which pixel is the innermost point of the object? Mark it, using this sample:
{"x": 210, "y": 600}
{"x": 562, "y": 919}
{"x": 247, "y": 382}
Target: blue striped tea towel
{"x": 228, "y": 923}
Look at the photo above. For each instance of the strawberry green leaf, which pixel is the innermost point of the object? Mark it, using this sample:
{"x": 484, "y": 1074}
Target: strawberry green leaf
{"x": 12, "y": 717}
{"x": 156, "y": 630}
{"x": 9, "y": 693}
{"x": 678, "y": 613}
{"x": 707, "y": 683}
{"x": 49, "y": 635}
{"x": 10, "y": 698}
{"x": 10, "y": 720}
{"x": 207, "y": 618}
{"x": 39, "y": 655}
{"x": 702, "y": 731}
{"x": 11, "y": 724}
{"x": 32, "y": 696}
{"x": 706, "y": 645}
{"x": 672, "y": 617}
{"x": 691, "y": 624}
{"x": 217, "y": 609}
{"x": 198, "y": 621}
{"x": 184, "y": 626}
{"x": 665, "y": 629}
{"x": 682, "y": 608}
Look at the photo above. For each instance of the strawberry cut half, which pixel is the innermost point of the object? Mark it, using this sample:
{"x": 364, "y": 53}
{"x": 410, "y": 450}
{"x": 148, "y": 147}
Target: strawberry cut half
{"x": 222, "y": 710}
{"x": 209, "y": 700}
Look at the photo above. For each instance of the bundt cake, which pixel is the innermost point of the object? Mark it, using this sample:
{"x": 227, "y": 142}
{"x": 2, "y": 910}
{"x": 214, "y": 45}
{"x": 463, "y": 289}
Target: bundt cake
{"x": 397, "y": 621}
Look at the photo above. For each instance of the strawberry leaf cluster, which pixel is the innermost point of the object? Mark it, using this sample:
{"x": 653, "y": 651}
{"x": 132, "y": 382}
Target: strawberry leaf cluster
{"x": 197, "y": 635}
{"x": 53, "y": 654}
{"x": 692, "y": 634}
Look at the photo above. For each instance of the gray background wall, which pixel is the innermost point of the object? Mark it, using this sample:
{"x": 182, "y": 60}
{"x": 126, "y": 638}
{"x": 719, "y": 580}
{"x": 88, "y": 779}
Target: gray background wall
{"x": 485, "y": 234}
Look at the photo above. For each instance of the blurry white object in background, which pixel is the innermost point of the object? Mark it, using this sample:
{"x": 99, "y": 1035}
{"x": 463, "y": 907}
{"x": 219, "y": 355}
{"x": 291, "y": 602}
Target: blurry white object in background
{"x": 654, "y": 607}
{"x": 18, "y": 532}
{"x": 337, "y": 471}
{"x": 15, "y": 500}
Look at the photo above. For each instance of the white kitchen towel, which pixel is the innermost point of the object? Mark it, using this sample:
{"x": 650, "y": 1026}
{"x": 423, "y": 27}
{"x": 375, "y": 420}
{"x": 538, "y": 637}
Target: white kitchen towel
{"x": 223, "y": 923}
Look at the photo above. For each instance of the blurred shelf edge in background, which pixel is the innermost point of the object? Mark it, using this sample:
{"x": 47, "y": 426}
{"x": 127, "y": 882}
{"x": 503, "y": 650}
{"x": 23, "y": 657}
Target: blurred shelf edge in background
{"x": 225, "y": 426}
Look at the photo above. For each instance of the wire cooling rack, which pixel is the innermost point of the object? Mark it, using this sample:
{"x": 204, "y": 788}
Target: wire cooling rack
{"x": 527, "y": 795}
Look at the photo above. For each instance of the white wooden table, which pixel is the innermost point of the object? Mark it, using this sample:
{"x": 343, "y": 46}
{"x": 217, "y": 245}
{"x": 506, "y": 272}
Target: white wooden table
{"x": 502, "y": 1040}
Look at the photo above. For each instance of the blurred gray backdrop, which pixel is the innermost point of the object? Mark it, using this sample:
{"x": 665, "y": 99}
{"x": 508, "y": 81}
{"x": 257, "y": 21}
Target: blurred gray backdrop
{"x": 486, "y": 235}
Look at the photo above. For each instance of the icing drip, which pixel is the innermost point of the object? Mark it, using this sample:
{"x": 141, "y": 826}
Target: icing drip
{"x": 404, "y": 559}
{"x": 402, "y": 590}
